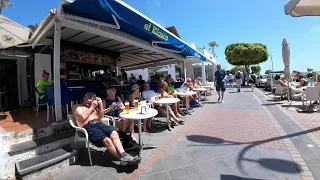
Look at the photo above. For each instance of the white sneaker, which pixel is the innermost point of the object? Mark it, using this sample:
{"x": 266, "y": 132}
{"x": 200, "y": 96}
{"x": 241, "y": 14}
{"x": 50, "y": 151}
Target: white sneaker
{"x": 221, "y": 101}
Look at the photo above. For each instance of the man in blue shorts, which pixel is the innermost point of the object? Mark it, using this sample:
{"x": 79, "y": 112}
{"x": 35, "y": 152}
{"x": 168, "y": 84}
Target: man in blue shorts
{"x": 220, "y": 77}
{"x": 88, "y": 115}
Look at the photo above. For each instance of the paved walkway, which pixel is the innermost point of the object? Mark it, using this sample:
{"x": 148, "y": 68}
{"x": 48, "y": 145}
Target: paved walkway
{"x": 247, "y": 137}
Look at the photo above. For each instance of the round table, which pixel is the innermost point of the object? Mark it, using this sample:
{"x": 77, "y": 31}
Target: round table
{"x": 199, "y": 90}
{"x": 166, "y": 102}
{"x": 135, "y": 115}
{"x": 186, "y": 94}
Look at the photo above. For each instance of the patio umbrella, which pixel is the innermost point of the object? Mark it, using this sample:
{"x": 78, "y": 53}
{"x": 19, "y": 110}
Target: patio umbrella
{"x": 286, "y": 59}
{"x": 12, "y": 33}
{"x": 297, "y": 8}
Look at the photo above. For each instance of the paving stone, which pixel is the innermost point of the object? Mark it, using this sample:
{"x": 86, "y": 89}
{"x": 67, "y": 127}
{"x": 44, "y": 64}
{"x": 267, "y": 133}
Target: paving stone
{"x": 73, "y": 173}
{"x": 186, "y": 173}
{"x": 198, "y": 155}
{"x": 212, "y": 170}
{"x": 156, "y": 167}
{"x": 157, "y": 176}
{"x": 102, "y": 175}
{"x": 255, "y": 173}
{"x": 173, "y": 149}
{"x": 174, "y": 161}
{"x": 230, "y": 161}
{"x": 91, "y": 169}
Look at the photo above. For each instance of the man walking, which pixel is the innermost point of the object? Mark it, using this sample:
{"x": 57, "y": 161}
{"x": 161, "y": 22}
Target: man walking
{"x": 239, "y": 78}
{"x": 220, "y": 77}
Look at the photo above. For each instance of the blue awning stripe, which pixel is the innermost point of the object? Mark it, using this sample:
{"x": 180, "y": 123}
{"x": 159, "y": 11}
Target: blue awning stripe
{"x": 112, "y": 11}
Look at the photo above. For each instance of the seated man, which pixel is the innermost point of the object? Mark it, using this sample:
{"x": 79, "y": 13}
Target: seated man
{"x": 113, "y": 107}
{"x": 88, "y": 115}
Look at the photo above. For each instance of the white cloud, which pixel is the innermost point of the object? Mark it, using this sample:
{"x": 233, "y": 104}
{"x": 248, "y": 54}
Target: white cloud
{"x": 314, "y": 29}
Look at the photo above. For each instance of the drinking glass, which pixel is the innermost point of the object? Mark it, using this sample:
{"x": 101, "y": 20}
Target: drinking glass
{"x": 127, "y": 108}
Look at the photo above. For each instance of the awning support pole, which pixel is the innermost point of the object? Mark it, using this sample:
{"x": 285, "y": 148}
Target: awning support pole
{"x": 56, "y": 69}
{"x": 203, "y": 72}
{"x": 185, "y": 70}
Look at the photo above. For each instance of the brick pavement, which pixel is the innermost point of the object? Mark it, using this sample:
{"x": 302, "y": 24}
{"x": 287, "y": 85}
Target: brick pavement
{"x": 239, "y": 138}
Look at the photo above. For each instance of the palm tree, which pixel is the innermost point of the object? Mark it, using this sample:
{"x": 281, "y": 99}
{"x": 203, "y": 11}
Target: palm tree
{"x": 213, "y": 45}
{"x": 309, "y": 69}
{"x": 4, "y": 4}
{"x": 32, "y": 28}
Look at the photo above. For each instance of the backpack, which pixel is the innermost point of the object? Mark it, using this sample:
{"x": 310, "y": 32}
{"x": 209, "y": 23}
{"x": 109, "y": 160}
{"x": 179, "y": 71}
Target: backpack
{"x": 238, "y": 75}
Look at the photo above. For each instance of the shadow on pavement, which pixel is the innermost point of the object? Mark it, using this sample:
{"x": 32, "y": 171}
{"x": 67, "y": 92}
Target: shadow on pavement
{"x": 232, "y": 177}
{"x": 264, "y": 162}
{"x": 271, "y": 104}
{"x": 208, "y": 102}
{"x": 103, "y": 159}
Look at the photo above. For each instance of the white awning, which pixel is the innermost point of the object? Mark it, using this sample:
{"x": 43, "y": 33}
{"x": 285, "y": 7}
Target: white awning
{"x": 12, "y": 33}
{"x": 297, "y": 8}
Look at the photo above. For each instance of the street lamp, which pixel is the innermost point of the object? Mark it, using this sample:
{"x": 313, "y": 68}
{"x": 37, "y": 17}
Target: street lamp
{"x": 271, "y": 56}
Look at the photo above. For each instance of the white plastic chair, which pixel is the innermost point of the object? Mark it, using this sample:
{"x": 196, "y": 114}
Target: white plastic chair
{"x": 279, "y": 90}
{"x": 311, "y": 94}
{"x": 295, "y": 93}
{"x": 85, "y": 139}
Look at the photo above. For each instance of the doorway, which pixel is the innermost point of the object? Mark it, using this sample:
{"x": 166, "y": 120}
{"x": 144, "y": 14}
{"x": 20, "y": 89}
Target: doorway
{"x": 9, "y": 84}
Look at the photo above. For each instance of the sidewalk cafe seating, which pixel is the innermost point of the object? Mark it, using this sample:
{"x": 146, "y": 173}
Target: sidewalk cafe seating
{"x": 81, "y": 134}
{"x": 42, "y": 103}
{"x": 311, "y": 94}
{"x": 295, "y": 93}
{"x": 279, "y": 90}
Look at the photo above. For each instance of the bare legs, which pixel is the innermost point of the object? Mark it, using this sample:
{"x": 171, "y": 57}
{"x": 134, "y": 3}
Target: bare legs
{"x": 146, "y": 124}
{"x": 114, "y": 145}
{"x": 173, "y": 117}
{"x": 124, "y": 124}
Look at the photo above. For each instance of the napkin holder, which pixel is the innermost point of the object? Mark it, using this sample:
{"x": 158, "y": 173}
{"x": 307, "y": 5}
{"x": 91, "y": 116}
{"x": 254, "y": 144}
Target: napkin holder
{"x": 144, "y": 108}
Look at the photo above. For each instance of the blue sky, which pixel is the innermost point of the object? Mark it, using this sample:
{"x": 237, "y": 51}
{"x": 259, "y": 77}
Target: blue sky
{"x": 227, "y": 21}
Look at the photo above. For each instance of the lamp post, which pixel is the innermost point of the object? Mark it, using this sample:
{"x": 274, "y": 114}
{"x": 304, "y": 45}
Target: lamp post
{"x": 271, "y": 56}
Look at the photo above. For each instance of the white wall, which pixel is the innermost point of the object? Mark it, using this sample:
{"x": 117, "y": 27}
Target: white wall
{"x": 172, "y": 71}
{"x": 41, "y": 62}
{"x": 22, "y": 80}
{"x": 143, "y": 72}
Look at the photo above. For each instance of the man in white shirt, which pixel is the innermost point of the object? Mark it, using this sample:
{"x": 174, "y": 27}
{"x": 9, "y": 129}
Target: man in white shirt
{"x": 147, "y": 94}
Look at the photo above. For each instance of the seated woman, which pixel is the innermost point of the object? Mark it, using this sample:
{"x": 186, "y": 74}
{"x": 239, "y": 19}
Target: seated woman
{"x": 42, "y": 83}
{"x": 188, "y": 84}
{"x": 302, "y": 80}
{"x": 113, "y": 106}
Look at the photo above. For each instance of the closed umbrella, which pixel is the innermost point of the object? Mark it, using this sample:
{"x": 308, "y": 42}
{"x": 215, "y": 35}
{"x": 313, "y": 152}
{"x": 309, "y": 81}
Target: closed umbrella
{"x": 12, "y": 33}
{"x": 297, "y": 8}
{"x": 286, "y": 62}
{"x": 286, "y": 59}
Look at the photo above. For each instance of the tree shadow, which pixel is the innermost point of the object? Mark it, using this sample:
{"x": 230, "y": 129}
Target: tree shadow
{"x": 233, "y": 177}
{"x": 271, "y": 104}
{"x": 267, "y": 163}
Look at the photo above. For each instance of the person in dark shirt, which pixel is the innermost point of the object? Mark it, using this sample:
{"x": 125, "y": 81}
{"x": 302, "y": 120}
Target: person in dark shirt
{"x": 220, "y": 77}
{"x": 124, "y": 75}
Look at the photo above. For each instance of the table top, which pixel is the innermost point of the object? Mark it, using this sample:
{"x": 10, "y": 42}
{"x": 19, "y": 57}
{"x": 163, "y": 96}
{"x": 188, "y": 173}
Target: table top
{"x": 185, "y": 93}
{"x": 199, "y": 89}
{"x": 76, "y": 87}
{"x": 167, "y": 101}
{"x": 135, "y": 115}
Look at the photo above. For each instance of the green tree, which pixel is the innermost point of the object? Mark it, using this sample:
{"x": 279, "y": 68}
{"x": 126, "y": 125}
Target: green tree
{"x": 268, "y": 71}
{"x": 5, "y": 4}
{"x": 234, "y": 69}
{"x": 213, "y": 45}
{"x": 255, "y": 69}
{"x": 33, "y": 28}
{"x": 309, "y": 69}
{"x": 246, "y": 54}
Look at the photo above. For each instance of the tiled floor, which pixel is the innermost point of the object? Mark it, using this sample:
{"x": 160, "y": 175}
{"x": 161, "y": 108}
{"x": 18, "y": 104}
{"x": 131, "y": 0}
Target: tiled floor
{"x": 24, "y": 119}
{"x": 234, "y": 140}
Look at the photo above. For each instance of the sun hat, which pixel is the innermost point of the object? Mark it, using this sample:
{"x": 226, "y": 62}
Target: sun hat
{"x": 134, "y": 87}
